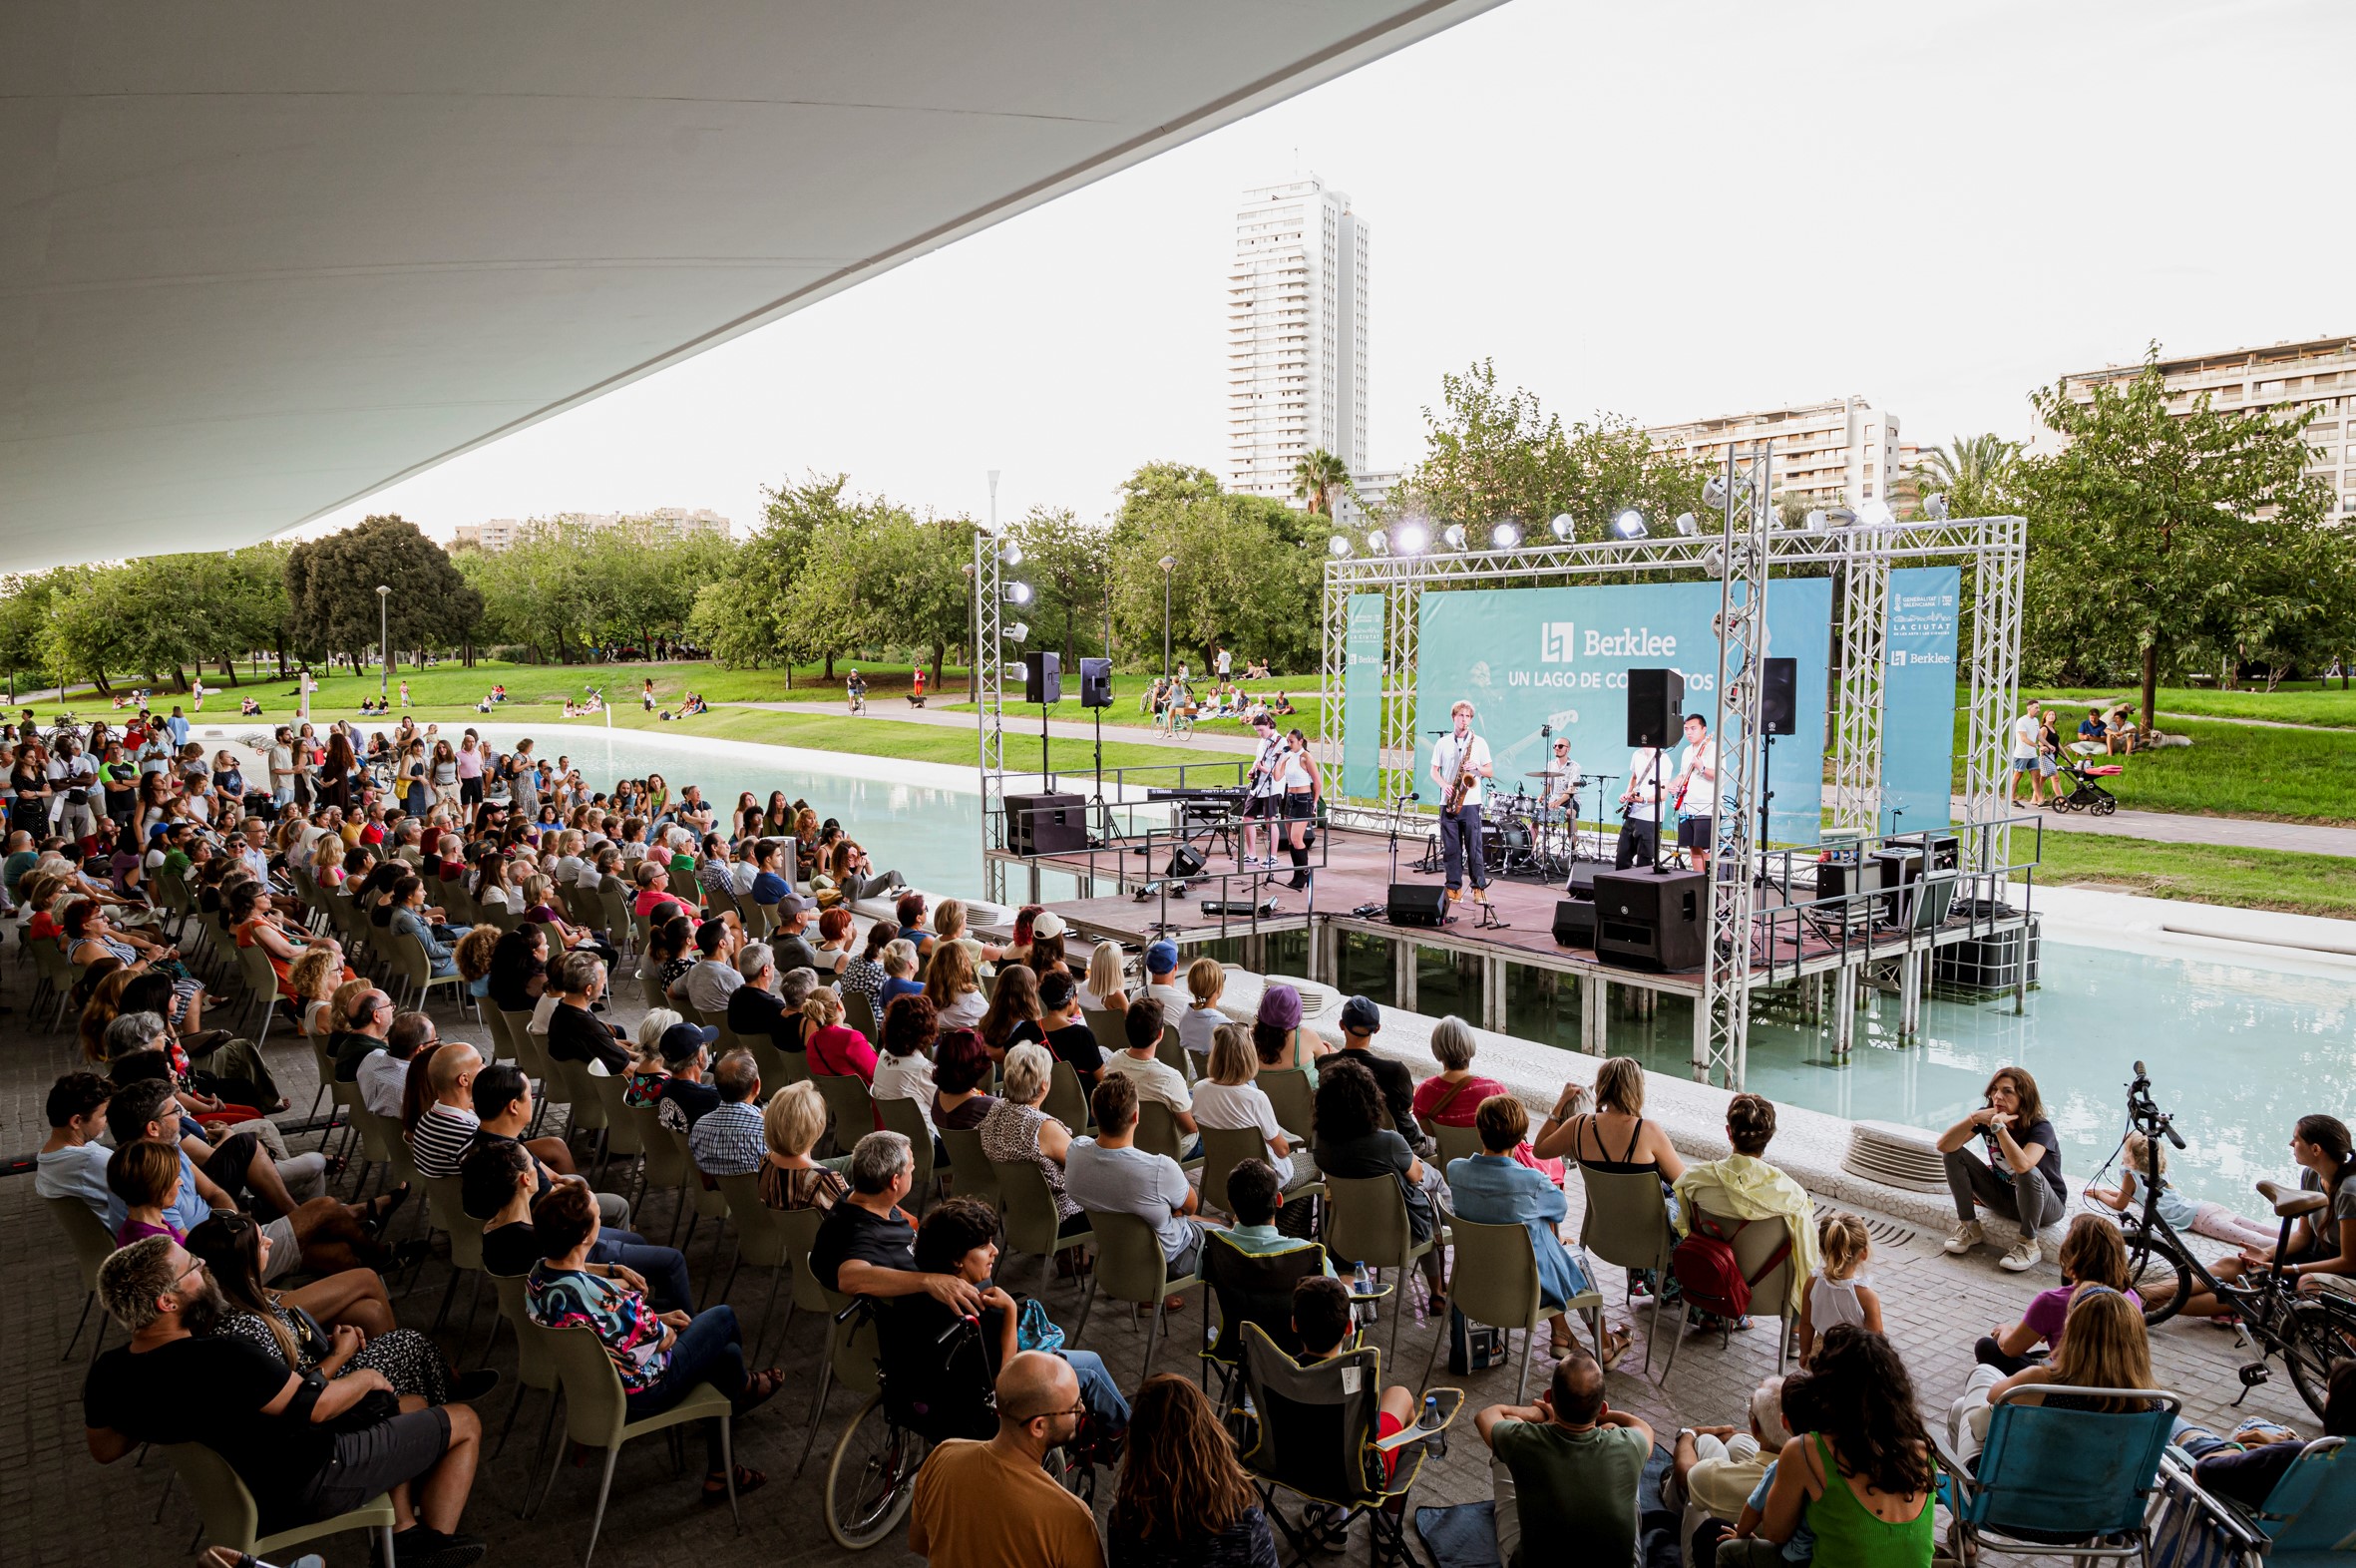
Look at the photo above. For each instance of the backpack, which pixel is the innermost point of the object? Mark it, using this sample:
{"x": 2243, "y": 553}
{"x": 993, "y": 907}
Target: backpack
{"x": 1707, "y": 1273}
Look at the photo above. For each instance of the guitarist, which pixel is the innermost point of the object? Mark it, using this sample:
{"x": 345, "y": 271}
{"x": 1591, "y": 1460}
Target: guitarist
{"x": 1460, "y": 766}
{"x": 1264, "y": 798}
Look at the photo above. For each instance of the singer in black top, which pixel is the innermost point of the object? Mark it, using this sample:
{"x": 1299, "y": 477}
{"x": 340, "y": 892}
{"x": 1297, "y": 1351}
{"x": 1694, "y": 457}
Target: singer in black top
{"x": 1265, "y": 797}
{"x": 1463, "y": 758}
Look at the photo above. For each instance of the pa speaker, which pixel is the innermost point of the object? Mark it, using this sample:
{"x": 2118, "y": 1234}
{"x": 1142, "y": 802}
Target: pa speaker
{"x": 1574, "y": 924}
{"x": 1095, "y": 683}
{"x": 1416, "y": 903}
{"x": 1042, "y": 677}
{"x": 1779, "y": 697}
{"x": 1656, "y": 704}
{"x": 1051, "y": 824}
{"x": 1583, "y": 875}
{"x": 1185, "y": 861}
{"x": 1650, "y": 920}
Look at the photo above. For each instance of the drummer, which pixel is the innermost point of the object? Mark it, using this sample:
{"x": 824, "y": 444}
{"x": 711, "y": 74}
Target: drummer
{"x": 1562, "y": 777}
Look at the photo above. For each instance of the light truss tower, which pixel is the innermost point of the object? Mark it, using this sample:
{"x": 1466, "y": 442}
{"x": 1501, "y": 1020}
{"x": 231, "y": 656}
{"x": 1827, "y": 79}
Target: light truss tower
{"x": 1997, "y": 570}
{"x": 1722, "y": 1031}
{"x": 1402, "y": 628}
{"x": 1332, "y": 731}
{"x": 988, "y": 698}
{"x": 1865, "y": 648}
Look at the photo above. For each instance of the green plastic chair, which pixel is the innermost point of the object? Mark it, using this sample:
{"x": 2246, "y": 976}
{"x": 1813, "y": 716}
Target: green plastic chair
{"x": 860, "y": 1013}
{"x": 622, "y": 1137}
{"x": 1224, "y": 1148}
{"x": 708, "y": 1203}
{"x": 230, "y": 1518}
{"x": 1066, "y": 1101}
{"x": 1497, "y": 1283}
{"x": 442, "y": 1196}
{"x": 905, "y": 1118}
{"x": 1627, "y": 1223}
{"x": 851, "y": 1106}
{"x": 1175, "y": 1057}
{"x": 666, "y": 1166}
{"x": 1029, "y": 1212}
{"x": 1130, "y": 1268}
{"x": 526, "y": 1045}
{"x": 87, "y": 1234}
{"x": 1157, "y": 1133}
{"x": 1366, "y": 1222}
{"x": 971, "y": 1174}
{"x": 596, "y": 1415}
{"x": 503, "y": 1045}
{"x": 49, "y": 961}
{"x": 1455, "y": 1143}
{"x": 762, "y": 1240}
{"x": 1771, "y": 1287}
{"x": 261, "y": 989}
{"x": 416, "y": 970}
{"x": 1293, "y": 1097}
{"x": 579, "y": 1094}
{"x": 536, "y": 1368}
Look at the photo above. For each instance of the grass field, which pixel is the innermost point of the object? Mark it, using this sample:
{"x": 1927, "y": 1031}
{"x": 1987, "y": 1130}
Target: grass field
{"x": 2234, "y": 770}
{"x": 2307, "y": 703}
{"x": 2202, "y": 873}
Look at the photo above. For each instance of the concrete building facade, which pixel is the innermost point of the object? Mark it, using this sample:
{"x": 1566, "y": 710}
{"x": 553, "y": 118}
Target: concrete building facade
{"x": 1296, "y": 335}
{"x": 662, "y": 522}
{"x": 1840, "y": 452}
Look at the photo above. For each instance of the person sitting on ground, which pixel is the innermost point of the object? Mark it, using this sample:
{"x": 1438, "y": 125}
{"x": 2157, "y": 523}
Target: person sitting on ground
{"x": 2322, "y": 1244}
{"x": 727, "y": 1140}
{"x": 991, "y": 1504}
{"x": 1229, "y": 1102}
{"x": 2092, "y": 1252}
{"x": 1838, "y": 1293}
{"x": 1493, "y": 1188}
{"x": 792, "y": 1124}
{"x": 1740, "y": 1547}
{"x": 1183, "y": 1500}
{"x": 1013, "y": 1017}
{"x": 1018, "y": 1130}
{"x": 1206, "y": 981}
{"x": 1280, "y": 1039}
{"x": 235, "y": 1252}
{"x": 1713, "y": 1471}
{"x": 1110, "y": 1174}
{"x": 1107, "y": 987}
{"x": 1155, "y": 1081}
{"x": 1452, "y": 1096}
{"x": 1068, "y": 1032}
{"x": 1361, "y": 1021}
{"x": 1744, "y": 1186}
{"x": 660, "y": 1357}
{"x": 2021, "y": 1179}
{"x": 2136, "y": 1157}
{"x": 1863, "y": 1481}
{"x": 1352, "y": 1143}
{"x": 305, "y": 1446}
{"x": 960, "y": 1066}
{"x": 1565, "y": 1468}
{"x": 904, "y": 1069}
{"x": 2105, "y": 1348}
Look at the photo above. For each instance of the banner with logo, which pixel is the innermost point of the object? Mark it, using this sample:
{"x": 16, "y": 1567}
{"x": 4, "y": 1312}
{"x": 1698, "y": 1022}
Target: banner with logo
{"x": 1918, "y": 699}
{"x": 1558, "y": 659}
{"x": 1361, "y": 698}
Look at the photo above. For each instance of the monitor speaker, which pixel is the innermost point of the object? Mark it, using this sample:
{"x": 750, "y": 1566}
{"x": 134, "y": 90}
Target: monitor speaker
{"x": 1656, "y": 702}
{"x": 1583, "y": 875}
{"x": 1651, "y": 920}
{"x": 1096, "y": 684}
{"x": 1779, "y": 697}
{"x": 1046, "y": 824}
{"x": 1574, "y": 923}
{"x": 1185, "y": 861}
{"x": 1416, "y": 903}
{"x": 1042, "y": 677}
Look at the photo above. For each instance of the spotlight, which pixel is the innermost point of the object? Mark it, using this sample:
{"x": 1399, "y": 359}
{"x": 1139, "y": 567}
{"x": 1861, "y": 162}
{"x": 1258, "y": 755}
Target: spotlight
{"x": 1875, "y": 514}
{"x": 1630, "y": 525}
{"x": 1018, "y": 633}
{"x": 1563, "y": 525}
{"x": 1376, "y": 541}
{"x": 1833, "y": 517}
{"x": 1687, "y": 523}
{"x": 1714, "y": 493}
{"x": 1011, "y": 555}
{"x": 1412, "y": 539}
{"x": 1338, "y": 546}
{"x": 1934, "y": 506}
{"x": 1505, "y": 535}
{"x": 1714, "y": 561}
{"x": 1018, "y": 592}
{"x": 1815, "y": 521}
{"x": 1455, "y": 535}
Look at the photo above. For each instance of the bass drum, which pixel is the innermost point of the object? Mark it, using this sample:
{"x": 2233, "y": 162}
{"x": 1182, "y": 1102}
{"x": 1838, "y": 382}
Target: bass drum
{"x": 1505, "y": 842}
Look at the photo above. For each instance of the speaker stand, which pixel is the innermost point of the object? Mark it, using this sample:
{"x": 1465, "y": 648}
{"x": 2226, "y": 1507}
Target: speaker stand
{"x": 1097, "y": 803}
{"x": 1767, "y": 800}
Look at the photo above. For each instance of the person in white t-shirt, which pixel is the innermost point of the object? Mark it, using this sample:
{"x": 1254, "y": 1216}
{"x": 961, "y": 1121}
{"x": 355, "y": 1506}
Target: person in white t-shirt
{"x": 1460, "y": 830}
{"x": 1649, "y": 790}
{"x": 1697, "y": 777}
{"x": 2028, "y": 735}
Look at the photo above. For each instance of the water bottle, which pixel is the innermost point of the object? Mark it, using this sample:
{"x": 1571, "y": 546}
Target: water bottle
{"x": 1362, "y": 1285}
{"x": 1438, "y": 1443}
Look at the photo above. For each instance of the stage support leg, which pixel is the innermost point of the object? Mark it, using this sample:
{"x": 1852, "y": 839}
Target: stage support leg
{"x": 1492, "y": 993}
{"x": 2021, "y": 979}
{"x": 1701, "y": 1043}
{"x": 1405, "y": 950}
{"x": 1035, "y": 884}
{"x": 1844, "y": 1011}
{"x": 1593, "y": 1025}
{"x": 1910, "y": 994}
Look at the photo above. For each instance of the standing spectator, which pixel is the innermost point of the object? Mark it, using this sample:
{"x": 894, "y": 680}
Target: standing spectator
{"x": 1183, "y": 1500}
{"x": 1567, "y": 1469}
{"x": 991, "y": 1504}
{"x": 2021, "y": 1179}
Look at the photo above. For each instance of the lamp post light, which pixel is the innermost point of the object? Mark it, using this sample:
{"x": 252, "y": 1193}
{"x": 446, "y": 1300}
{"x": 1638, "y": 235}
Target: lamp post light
{"x": 1168, "y": 563}
{"x": 384, "y": 642}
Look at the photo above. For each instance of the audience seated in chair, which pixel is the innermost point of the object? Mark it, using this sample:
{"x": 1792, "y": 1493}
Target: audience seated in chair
{"x": 1745, "y": 1187}
{"x": 2092, "y": 1252}
{"x": 1110, "y": 1173}
{"x": 991, "y": 1504}
{"x": 1493, "y": 1188}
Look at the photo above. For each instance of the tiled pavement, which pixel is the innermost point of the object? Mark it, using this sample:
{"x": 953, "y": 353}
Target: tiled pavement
{"x": 60, "y": 1507}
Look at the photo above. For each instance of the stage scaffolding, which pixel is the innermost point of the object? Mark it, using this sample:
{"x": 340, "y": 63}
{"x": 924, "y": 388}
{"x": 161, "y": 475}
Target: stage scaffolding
{"x": 1741, "y": 554}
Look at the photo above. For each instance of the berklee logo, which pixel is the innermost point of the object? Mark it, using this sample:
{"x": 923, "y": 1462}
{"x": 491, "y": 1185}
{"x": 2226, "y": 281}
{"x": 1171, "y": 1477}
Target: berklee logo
{"x": 1557, "y": 641}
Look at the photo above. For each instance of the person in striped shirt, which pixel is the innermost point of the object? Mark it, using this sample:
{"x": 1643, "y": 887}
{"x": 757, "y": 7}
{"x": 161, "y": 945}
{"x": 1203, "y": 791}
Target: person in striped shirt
{"x": 447, "y": 1124}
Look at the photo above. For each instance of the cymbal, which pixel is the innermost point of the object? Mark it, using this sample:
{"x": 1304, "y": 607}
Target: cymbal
{"x": 1547, "y": 773}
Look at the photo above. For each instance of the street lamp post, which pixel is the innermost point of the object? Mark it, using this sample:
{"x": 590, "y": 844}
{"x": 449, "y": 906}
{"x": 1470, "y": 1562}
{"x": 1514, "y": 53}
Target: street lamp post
{"x": 384, "y": 642}
{"x": 1168, "y": 564}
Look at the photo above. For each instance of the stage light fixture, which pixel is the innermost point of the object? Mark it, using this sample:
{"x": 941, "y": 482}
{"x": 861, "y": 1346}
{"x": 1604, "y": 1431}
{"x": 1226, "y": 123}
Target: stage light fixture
{"x": 1688, "y": 525}
{"x": 1563, "y": 526}
{"x": 1011, "y": 555}
{"x": 1505, "y": 535}
{"x": 1019, "y": 633}
{"x": 1338, "y": 546}
{"x": 1455, "y": 536}
{"x": 1630, "y": 525}
{"x": 1815, "y": 521}
{"x": 1376, "y": 541}
{"x": 1714, "y": 493}
{"x": 1412, "y": 539}
{"x": 1875, "y": 514}
{"x": 1018, "y": 592}
{"x": 1934, "y": 506}
{"x": 1714, "y": 561}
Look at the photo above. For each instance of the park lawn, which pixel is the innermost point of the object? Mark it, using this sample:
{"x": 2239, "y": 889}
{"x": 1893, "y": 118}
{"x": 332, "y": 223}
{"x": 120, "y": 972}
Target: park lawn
{"x": 2201, "y": 873}
{"x": 1128, "y": 690}
{"x": 2310, "y": 702}
{"x": 2233, "y": 770}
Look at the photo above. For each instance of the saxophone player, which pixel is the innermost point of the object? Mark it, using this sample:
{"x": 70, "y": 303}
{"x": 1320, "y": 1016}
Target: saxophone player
{"x": 1460, "y": 766}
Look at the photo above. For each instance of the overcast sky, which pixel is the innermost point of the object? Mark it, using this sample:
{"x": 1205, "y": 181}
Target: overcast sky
{"x": 1665, "y": 210}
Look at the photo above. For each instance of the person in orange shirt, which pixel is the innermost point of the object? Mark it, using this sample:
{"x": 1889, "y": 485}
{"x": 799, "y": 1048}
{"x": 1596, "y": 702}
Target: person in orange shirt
{"x": 992, "y": 1504}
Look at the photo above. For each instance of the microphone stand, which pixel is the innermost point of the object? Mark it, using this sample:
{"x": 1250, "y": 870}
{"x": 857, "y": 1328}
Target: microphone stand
{"x": 1399, "y": 810}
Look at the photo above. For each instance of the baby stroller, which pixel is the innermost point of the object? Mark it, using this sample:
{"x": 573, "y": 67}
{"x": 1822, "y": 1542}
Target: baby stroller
{"x": 2087, "y": 794}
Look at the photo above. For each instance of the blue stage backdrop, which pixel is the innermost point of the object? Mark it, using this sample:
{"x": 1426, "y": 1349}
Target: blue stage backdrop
{"x": 1918, "y": 699}
{"x": 1361, "y": 698}
{"x": 1561, "y": 656}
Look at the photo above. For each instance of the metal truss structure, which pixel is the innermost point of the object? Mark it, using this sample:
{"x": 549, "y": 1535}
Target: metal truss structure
{"x": 1722, "y": 1023}
{"x": 1864, "y": 578}
{"x": 989, "y": 707}
{"x": 1993, "y": 596}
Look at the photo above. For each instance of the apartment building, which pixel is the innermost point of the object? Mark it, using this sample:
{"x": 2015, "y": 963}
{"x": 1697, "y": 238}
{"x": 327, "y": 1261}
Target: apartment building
{"x": 1296, "y": 335}
{"x": 1840, "y": 452}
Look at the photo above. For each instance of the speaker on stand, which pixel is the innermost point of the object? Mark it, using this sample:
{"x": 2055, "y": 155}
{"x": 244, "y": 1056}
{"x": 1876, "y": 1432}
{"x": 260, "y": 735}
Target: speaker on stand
{"x": 1656, "y": 700}
{"x": 1778, "y": 714}
{"x": 1043, "y": 684}
{"x": 1096, "y": 696}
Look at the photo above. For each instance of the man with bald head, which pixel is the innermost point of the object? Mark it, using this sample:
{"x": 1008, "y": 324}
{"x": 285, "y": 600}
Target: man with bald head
{"x": 1567, "y": 1467}
{"x": 991, "y": 1504}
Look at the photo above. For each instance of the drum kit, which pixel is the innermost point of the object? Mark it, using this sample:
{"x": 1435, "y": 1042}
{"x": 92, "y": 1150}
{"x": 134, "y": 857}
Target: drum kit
{"x": 1531, "y": 835}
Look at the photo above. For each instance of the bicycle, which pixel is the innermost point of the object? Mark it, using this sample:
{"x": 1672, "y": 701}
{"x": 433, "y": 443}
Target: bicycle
{"x": 871, "y": 1479}
{"x": 2309, "y": 1333}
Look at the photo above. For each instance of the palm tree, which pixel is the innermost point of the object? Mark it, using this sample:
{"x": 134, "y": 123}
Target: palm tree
{"x": 1967, "y": 467}
{"x": 1316, "y": 477}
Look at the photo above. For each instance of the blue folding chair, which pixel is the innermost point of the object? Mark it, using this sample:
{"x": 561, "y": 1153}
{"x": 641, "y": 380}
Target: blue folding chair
{"x": 2308, "y": 1521}
{"x": 2067, "y": 1483}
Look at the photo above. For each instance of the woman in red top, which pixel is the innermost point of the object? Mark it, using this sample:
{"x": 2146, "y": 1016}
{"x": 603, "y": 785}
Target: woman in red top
{"x": 1451, "y": 1097}
{"x": 834, "y": 1049}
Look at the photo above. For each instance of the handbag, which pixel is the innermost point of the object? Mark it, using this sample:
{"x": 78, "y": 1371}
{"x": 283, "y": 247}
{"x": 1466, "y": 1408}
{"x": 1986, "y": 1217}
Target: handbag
{"x": 1034, "y": 1329}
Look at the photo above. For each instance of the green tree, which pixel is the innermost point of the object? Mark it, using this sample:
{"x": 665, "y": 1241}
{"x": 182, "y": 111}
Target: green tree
{"x": 1317, "y": 478}
{"x": 1974, "y": 473}
{"x": 1249, "y": 571}
{"x": 331, "y": 594}
{"x": 1068, "y": 564}
{"x": 2171, "y": 538}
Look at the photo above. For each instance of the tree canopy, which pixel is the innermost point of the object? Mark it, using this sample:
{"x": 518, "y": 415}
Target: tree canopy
{"x": 332, "y": 595}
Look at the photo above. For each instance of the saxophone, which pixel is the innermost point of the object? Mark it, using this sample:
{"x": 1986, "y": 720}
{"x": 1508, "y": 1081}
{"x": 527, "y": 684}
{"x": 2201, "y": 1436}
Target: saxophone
{"x": 1463, "y": 784}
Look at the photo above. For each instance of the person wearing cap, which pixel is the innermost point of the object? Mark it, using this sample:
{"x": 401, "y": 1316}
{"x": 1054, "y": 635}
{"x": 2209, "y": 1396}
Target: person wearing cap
{"x": 712, "y": 979}
{"x": 684, "y": 1098}
{"x": 1161, "y": 969}
{"x": 1046, "y": 943}
{"x": 793, "y": 948}
{"x": 1361, "y": 1021}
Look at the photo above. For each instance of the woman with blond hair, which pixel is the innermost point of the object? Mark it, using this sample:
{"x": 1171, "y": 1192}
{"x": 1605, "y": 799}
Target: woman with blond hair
{"x": 2104, "y": 1347}
{"x": 311, "y": 981}
{"x": 791, "y": 1125}
{"x": 951, "y": 984}
{"x": 1615, "y": 1137}
{"x": 1106, "y": 985}
{"x": 1228, "y": 1099}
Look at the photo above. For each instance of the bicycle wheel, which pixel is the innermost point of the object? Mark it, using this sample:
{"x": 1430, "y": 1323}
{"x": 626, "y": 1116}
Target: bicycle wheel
{"x": 2157, "y": 1268}
{"x": 872, "y": 1479}
{"x": 2317, "y": 1331}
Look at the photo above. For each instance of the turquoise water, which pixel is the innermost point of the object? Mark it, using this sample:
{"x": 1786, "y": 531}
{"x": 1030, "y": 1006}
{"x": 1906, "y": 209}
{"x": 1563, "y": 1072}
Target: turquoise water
{"x": 2239, "y": 1051}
